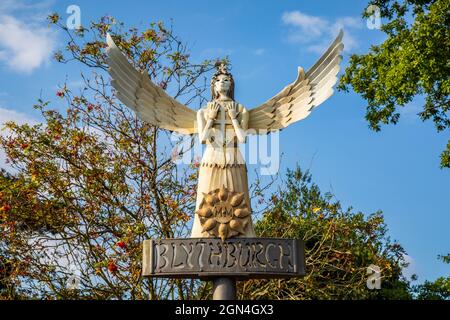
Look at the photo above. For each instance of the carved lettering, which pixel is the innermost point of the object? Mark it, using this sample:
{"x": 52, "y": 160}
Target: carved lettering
{"x": 203, "y": 257}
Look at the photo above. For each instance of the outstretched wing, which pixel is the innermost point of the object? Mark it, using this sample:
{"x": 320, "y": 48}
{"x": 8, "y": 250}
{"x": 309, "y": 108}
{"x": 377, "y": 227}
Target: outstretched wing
{"x": 296, "y": 101}
{"x": 151, "y": 103}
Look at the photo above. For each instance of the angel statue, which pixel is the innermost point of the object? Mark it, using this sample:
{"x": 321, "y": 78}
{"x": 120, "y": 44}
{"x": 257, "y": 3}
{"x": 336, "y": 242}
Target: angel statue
{"x": 223, "y": 207}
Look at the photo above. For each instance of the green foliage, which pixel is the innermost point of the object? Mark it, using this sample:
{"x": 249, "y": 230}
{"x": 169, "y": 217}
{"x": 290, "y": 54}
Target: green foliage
{"x": 93, "y": 182}
{"x": 412, "y": 61}
{"x": 445, "y": 259}
{"x": 434, "y": 290}
{"x": 340, "y": 245}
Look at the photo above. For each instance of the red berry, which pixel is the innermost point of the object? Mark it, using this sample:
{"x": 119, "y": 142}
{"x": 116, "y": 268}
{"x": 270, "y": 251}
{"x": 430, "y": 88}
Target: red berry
{"x": 24, "y": 145}
{"x": 121, "y": 244}
{"x": 112, "y": 267}
{"x": 6, "y": 208}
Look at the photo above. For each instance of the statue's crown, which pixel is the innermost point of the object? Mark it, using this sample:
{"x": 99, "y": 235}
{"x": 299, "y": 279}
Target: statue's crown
{"x": 222, "y": 68}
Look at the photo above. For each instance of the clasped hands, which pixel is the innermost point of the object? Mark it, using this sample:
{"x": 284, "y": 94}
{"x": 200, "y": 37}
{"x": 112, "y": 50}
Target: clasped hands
{"x": 215, "y": 106}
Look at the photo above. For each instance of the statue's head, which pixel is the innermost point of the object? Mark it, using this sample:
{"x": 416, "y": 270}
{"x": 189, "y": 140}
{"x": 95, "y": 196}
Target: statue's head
{"x": 222, "y": 82}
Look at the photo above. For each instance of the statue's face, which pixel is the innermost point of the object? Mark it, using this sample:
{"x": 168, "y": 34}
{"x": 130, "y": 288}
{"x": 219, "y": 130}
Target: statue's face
{"x": 222, "y": 84}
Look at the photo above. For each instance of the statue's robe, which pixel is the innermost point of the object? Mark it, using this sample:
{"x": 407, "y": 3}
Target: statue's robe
{"x": 222, "y": 165}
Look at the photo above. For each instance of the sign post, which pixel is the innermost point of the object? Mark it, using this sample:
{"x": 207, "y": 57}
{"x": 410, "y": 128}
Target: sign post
{"x": 224, "y": 262}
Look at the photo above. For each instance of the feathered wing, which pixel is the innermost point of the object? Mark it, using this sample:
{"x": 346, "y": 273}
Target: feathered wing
{"x": 151, "y": 103}
{"x": 296, "y": 101}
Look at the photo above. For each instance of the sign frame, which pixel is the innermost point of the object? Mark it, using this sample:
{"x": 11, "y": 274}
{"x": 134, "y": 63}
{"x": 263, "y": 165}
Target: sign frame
{"x": 206, "y": 258}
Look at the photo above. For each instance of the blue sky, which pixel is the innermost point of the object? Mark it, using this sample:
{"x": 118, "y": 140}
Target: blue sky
{"x": 396, "y": 170}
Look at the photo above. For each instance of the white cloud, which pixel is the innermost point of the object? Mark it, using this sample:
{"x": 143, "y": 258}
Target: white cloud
{"x": 26, "y": 42}
{"x": 24, "y": 47}
{"x": 11, "y": 115}
{"x": 410, "y": 112}
{"x": 15, "y": 5}
{"x": 316, "y": 32}
{"x": 411, "y": 269}
{"x": 310, "y": 26}
{"x": 352, "y": 22}
{"x": 218, "y": 52}
{"x": 259, "y": 51}
{"x": 253, "y": 73}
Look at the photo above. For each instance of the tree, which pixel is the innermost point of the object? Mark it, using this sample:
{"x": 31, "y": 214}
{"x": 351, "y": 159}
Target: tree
{"x": 22, "y": 212}
{"x": 411, "y": 62}
{"x": 93, "y": 183}
{"x": 339, "y": 244}
{"x": 434, "y": 290}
